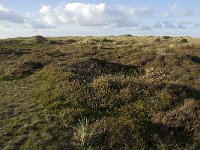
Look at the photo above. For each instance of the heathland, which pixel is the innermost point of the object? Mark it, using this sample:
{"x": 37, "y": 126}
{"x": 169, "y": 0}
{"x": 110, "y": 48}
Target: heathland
{"x": 114, "y": 92}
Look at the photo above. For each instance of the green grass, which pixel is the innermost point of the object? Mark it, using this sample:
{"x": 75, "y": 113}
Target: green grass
{"x": 116, "y": 92}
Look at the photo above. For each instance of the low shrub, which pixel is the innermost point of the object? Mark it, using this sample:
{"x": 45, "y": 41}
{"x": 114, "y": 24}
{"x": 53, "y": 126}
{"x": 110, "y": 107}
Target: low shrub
{"x": 24, "y": 69}
{"x": 166, "y": 37}
{"x": 157, "y": 39}
{"x": 117, "y": 133}
{"x": 186, "y": 116}
{"x": 40, "y": 39}
{"x": 183, "y": 40}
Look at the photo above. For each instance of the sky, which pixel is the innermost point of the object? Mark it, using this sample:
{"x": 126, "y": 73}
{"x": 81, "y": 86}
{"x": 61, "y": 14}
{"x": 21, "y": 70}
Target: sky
{"x": 22, "y": 18}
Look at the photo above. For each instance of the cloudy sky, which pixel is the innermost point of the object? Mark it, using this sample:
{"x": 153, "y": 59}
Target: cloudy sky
{"x": 83, "y": 17}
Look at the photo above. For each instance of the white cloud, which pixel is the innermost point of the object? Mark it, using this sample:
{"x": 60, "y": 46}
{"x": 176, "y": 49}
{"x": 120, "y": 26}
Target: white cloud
{"x": 157, "y": 25}
{"x": 10, "y": 16}
{"x": 196, "y": 25}
{"x": 184, "y": 24}
{"x": 174, "y": 6}
{"x": 177, "y": 10}
{"x": 144, "y": 27}
{"x": 36, "y": 24}
{"x": 95, "y": 19}
{"x": 93, "y": 14}
{"x": 167, "y": 14}
{"x": 186, "y": 12}
{"x": 48, "y": 15}
{"x": 169, "y": 24}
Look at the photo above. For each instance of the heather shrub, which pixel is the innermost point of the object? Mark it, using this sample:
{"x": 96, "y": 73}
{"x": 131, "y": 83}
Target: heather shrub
{"x": 183, "y": 40}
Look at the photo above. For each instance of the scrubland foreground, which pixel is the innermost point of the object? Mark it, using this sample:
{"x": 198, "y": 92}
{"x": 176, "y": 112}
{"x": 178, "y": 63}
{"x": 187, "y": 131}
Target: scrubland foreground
{"x": 109, "y": 93}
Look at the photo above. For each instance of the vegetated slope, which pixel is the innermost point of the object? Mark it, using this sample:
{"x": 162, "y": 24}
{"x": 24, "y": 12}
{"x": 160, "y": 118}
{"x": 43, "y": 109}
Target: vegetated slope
{"x": 116, "y": 92}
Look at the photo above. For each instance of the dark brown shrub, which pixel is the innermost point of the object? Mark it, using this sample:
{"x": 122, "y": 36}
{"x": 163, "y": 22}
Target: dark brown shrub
{"x": 40, "y": 39}
{"x": 183, "y": 40}
{"x": 166, "y": 37}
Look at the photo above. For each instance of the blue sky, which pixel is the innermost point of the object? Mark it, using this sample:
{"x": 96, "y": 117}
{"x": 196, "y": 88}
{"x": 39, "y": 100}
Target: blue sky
{"x": 83, "y": 17}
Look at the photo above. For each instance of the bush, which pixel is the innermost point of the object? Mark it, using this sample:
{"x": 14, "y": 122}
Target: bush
{"x": 183, "y": 123}
{"x": 166, "y": 37}
{"x": 117, "y": 133}
{"x": 186, "y": 116}
{"x": 24, "y": 69}
{"x": 106, "y": 93}
{"x": 126, "y": 35}
{"x": 183, "y": 40}
{"x": 157, "y": 39}
{"x": 40, "y": 39}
